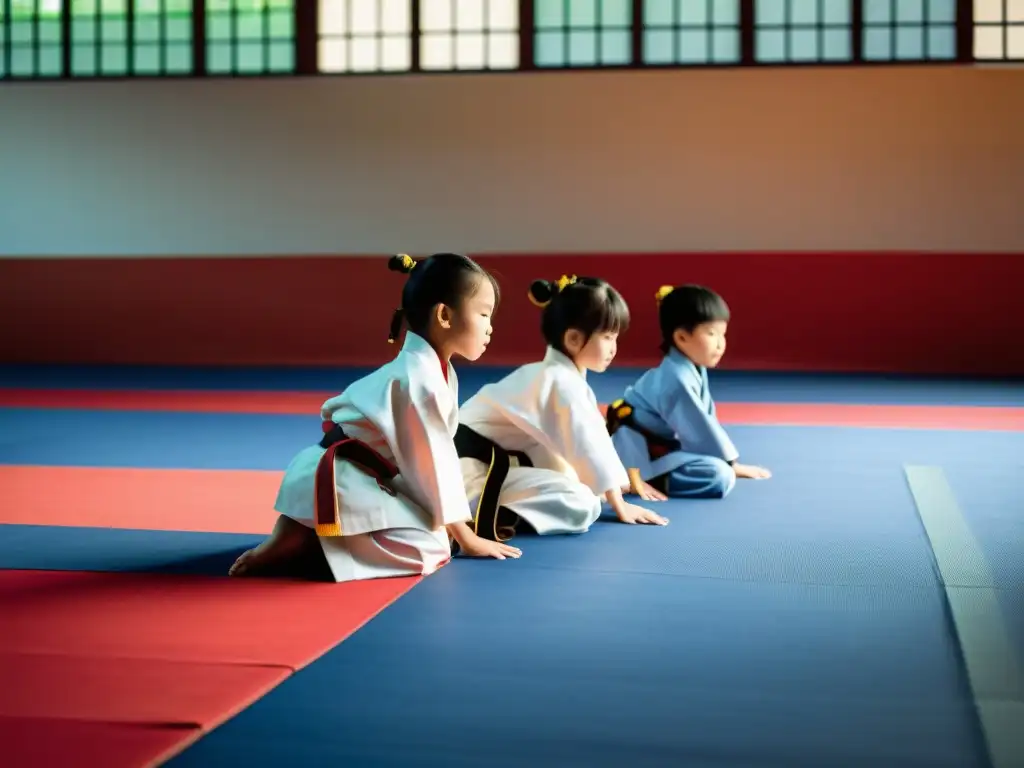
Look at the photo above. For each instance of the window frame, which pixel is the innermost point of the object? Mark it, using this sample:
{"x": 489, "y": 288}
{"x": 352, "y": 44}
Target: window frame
{"x": 306, "y": 41}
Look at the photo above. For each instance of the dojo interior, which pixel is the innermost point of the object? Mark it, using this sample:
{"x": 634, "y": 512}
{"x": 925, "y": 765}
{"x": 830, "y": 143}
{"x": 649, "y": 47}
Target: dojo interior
{"x": 194, "y": 232}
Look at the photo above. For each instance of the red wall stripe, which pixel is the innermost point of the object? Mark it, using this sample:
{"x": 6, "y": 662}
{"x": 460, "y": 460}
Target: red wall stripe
{"x": 881, "y": 312}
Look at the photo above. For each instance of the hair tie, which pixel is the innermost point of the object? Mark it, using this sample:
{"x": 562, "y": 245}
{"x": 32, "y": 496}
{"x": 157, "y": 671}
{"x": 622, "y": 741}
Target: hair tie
{"x": 564, "y": 281}
{"x": 402, "y": 262}
{"x": 664, "y": 291}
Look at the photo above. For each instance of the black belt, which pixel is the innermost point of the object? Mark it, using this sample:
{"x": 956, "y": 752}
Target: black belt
{"x": 620, "y": 414}
{"x": 491, "y": 521}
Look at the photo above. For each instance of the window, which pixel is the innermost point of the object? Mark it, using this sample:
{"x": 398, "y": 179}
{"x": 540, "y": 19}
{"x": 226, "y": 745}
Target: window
{"x": 119, "y": 37}
{"x": 999, "y": 30}
{"x": 469, "y": 34}
{"x": 250, "y": 36}
{"x": 99, "y": 38}
{"x": 30, "y": 38}
{"x": 583, "y": 33}
{"x": 909, "y": 30}
{"x": 691, "y": 31}
{"x": 803, "y": 30}
{"x": 162, "y": 37}
{"x": 364, "y": 36}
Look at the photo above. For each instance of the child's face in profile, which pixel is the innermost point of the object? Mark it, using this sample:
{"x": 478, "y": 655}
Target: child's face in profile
{"x": 705, "y": 344}
{"x": 596, "y": 353}
{"x": 468, "y": 329}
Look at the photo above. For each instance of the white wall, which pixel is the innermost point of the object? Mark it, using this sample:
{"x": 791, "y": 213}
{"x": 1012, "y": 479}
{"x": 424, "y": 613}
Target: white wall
{"x": 831, "y": 159}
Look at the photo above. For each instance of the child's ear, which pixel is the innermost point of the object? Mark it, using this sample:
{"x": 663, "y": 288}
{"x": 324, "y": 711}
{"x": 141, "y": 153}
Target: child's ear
{"x": 680, "y": 337}
{"x": 443, "y": 315}
{"x": 573, "y": 341}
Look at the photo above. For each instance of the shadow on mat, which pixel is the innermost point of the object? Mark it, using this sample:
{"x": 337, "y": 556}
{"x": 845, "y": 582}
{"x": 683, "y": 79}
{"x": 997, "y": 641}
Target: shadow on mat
{"x": 218, "y": 564}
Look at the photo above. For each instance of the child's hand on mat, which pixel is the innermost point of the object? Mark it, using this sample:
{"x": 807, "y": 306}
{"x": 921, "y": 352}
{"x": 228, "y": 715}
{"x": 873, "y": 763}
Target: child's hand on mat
{"x": 648, "y": 492}
{"x": 631, "y": 513}
{"x": 751, "y": 472}
{"x": 476, "y": 546}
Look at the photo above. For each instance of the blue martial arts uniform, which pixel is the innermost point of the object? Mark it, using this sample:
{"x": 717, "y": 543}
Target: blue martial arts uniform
{"x": 672, "y": 431}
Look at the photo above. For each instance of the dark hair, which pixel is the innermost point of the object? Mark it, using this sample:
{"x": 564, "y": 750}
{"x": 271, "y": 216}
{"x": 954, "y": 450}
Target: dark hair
{"x": 444, "y": 278}
{"x": 686, "y": 307}
{"x": 588, "y": 304}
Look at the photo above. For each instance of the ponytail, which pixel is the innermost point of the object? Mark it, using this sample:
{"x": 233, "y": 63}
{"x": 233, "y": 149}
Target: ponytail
{"x": 400, "y": 262}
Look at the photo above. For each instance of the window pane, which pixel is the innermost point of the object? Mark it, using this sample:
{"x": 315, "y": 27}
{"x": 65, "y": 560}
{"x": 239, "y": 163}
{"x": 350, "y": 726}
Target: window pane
{"x": 549, "y": 49}
{"x": 705, "y": 31}
{"x": 254, "y": 36}
{"x": 396, "y": 53}
{"x": 803, "y": 30}
{"x": 547, "y": 15}
{"x": 504, "y": 51}
{"x": 470, "y": 35}
{"x": 659, "y": 13}
{"x": 616, "y": 47}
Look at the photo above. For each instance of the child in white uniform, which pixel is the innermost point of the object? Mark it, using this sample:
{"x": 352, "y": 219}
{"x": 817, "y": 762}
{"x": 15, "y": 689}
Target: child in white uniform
{"x": 534, "y": 446}
{"x": 665, "y": 428}
{"x": 382, "y": 492}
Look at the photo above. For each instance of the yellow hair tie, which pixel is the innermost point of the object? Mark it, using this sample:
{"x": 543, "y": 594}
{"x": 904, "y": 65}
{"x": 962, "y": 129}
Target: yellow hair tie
{"x": 565, "y": 280}
{"x": 408, "y": 262}
{"x": 664, "y": 291}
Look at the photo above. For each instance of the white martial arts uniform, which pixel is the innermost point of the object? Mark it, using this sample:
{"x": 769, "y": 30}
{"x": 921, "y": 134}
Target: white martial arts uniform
{"x": 408, "y": 413}
{"x": 673, "y": 402}
{"x": 548, "y": 411}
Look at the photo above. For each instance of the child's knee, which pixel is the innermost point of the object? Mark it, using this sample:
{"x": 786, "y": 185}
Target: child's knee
{"x": 723, "y": 478}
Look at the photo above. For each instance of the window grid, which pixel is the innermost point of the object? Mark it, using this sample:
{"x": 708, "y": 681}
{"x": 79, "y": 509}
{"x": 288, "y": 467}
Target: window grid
{"x": 112, "y": 38}
{"x": 909, "y": 30}
{"x": 469, "y": 34}
{"x": 116, "y": 38}
{"x": 250, "y": 37}
{"x": 162, "y": 37}
{"x": 998, "y": 30}
{"x": 803, "y": 31}
{"x": 691, "y": 32}
{"x": 583, "y": 33}
{"x": 365, "y": 35}
{"x": 31, "y": 38}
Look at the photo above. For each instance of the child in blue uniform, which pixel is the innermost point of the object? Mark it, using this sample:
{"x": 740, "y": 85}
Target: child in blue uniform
{"x": 665, "y": 428}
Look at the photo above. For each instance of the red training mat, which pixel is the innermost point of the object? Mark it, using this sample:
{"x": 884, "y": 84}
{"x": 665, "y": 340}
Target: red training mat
{"x": 143, "y": 691}
{"x": 185, "y": 618}
{"x": 35, "y": 742}
{"x": 782, "y": 414}
{"x": 125, "y": 670}
{"x": 216, "y": 401}
{"x": 195, "y": 500}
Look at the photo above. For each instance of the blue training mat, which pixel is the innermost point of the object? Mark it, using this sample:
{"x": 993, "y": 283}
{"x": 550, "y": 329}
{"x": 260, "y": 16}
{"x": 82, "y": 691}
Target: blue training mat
{"x": 503, "y": 664}
{"x": 804, "y": 613}
{"x": 269, "y": 441}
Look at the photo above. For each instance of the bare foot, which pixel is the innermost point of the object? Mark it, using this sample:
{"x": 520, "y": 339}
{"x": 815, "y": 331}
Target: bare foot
{"x": 288, "y": 540}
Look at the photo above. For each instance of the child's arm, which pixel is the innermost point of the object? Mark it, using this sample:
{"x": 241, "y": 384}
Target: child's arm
{"x": 698, "y": 430}
{"x": 426, "y": 456}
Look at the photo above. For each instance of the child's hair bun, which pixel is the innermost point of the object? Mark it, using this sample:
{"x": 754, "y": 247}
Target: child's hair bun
{"x": 401, "y": 262}
{"x": 541, "y": 292}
